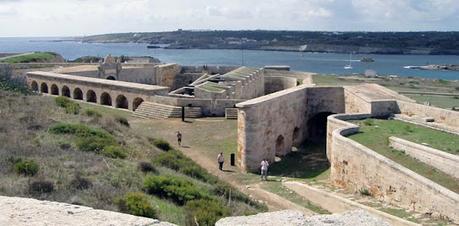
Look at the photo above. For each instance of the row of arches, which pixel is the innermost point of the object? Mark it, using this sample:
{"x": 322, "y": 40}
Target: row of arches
{"x": 120, "y": 101}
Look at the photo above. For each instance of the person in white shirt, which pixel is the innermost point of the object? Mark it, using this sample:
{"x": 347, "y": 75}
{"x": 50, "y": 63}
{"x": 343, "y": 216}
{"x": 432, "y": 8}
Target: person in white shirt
{"x": 220, "y": 160}
{"x": 264, "y": 169}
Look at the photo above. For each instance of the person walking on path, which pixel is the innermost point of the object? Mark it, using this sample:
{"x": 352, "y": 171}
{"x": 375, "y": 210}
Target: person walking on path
{"x": 220, "y": 160}
{"x": 264, "y": 169}
{"x": 179, "y": 138}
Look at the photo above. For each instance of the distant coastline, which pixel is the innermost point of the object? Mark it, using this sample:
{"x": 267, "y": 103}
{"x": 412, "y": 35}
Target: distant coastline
{"x": 389, "y": 43}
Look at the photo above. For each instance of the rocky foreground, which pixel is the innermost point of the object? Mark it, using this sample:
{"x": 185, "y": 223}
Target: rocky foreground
{"x": 295, "y": 218}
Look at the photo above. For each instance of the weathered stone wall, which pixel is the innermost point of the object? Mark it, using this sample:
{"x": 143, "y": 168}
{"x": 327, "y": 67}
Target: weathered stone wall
{"x": 272, "y": 124}
{"x": 277, "y": 83}
{"x": 166, "y": 74}
{"x": 85, "y": 89}
{"x": 446, "y": 162}
{"x": 355, "y": 167}
{"x": 447, "y": 117}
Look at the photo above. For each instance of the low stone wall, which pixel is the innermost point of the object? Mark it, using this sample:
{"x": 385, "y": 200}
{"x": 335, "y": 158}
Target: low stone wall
{"x": 447, "y": 163}
{"x": 277, "y": 83}
{"x": 355, "y": 167}
{"x": 447, "y": 117}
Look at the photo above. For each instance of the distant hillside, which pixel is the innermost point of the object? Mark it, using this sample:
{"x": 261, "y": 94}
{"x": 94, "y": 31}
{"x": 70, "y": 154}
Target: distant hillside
{"x": 433, "y": 43}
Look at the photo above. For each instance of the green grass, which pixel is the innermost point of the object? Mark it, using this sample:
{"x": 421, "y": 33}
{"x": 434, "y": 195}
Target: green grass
{"x": 279, "y": 189}
{"x": 446, "y": 102}
{"x": 168, "y": 211}
{"x": 375, "y": 133}
{"x": 35, "y": 57}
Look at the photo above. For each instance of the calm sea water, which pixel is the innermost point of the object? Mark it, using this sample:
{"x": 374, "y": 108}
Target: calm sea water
{"x": 326, "y": 63}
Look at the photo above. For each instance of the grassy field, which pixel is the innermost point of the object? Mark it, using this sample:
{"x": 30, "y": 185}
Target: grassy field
{"x": 383, "y": 129}
{"x": 93, "y": 178}
{"x": 446, "y": 102}
{"x": 34, "y": 57}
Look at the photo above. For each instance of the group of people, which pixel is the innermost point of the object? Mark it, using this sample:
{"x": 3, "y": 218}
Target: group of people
{"x": 264, "y": 165}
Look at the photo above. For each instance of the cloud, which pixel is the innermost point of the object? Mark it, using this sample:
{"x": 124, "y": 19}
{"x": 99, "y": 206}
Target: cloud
{"x": 79, "y": 17}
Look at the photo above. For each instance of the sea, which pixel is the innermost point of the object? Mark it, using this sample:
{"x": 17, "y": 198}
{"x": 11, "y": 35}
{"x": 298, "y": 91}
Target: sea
{"x": 324, "y": 63}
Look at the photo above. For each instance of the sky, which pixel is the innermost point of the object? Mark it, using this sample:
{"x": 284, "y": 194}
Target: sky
{"x": 87, "y": 17}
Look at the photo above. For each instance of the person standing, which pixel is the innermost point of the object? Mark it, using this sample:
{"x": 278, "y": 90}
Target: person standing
{"x": 179, "y": 138}
{"x": 264, "y": 169}
{"x": 220, "y": 160}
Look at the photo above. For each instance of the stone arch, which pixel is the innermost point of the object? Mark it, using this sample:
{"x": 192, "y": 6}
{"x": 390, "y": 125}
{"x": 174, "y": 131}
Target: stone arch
{"x": 54, "y": 89}
{"x": 280, "y": 145}
{"x": 34, "y": 86}
{"x": 44, "y": 88}
{"x": 111, "y": 77}
{"x": 91, "y": 96}
{"x": 122, "y": 102}
{"x": 317, "y": 127}
{"x": 296, "y": 137}
{"x": 65, "y": 91}
{"x": 136, "y": 103}
{"x": 105, "y": 99}
{"x": 77, "y": 94}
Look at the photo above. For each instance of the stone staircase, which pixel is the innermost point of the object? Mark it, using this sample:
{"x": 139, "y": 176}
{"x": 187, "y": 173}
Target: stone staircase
{"x": 151, "y": 110}
{"x": 231, "y": 113}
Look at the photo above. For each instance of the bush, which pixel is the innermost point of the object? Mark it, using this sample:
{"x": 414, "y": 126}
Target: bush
{"x": 161, "y": 144}
{"x": 79, "y": 130}
{"x": 177, "y": 189}
{"x": 205, "y": 212}
{"x": 364, "y": 192}
{"x": 26, "y": 167}
{"x": 80, "y": 183}
{"x": 115, "y": 152}
{"x": 92, "y": 113}
{"x": 93, "y": 144}
{"x": 177, "y": 161}
{"x": 41, "y": 187}
{"x": 122, "y": 120}
{"x": 146, "y": 167}
{"x": 70, "y": 106}
{"x": 136, "y": 203}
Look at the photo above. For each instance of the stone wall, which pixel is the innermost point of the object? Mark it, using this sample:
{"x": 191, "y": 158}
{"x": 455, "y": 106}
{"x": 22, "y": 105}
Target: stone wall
{"x": 270, "y": 125}
{"x": 447, "y": 117}
{"x": 355, "y": 167}
{"x": 446, "y": 162}
{"x": 166, "y": 74}
{"x": 277, "y": 83}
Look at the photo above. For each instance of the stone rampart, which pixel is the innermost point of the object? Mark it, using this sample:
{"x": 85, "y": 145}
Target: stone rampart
{"x": 446, "y": 162}
{"x": 355, "y": 167}
{"x": 447, "y": 117}
{"x": 277, "y": 83}
{"x": 166, "y": 73}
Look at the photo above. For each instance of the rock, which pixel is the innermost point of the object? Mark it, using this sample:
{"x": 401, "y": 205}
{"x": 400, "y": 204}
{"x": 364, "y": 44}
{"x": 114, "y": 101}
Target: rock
{"x": 296, "y": 218}
{"x": 23, "y": 212}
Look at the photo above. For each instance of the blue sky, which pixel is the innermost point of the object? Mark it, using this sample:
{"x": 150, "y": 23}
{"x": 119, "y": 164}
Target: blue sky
{"x": 86, "y": 17}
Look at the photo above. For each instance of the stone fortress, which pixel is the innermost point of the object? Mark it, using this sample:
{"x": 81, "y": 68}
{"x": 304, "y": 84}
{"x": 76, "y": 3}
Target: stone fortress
{"x": 277, "y": 110}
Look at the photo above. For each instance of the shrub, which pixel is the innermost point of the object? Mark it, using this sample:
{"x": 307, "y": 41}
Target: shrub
{"x": 79, "y": 130}
{"x": 92, "y": 113}
{"x": 122, "y": 120}
{"x": 70, "y": 106}
{"x": 41, "y": 186}
{"x": 115, "y": 152}
{"x": 26, "y": 167}
{"x": 146, "y": 167}
{"x": 177, "y": 189}
{"x": 205, "y": 212}
{"x": 136, "y": 203}
{"x": 177, "y": 161}
{"x": 80, "y": 183}
{"x": 161, "y": 144}
{"x": 364, "y": 192}
{"x": 93, "y": 144}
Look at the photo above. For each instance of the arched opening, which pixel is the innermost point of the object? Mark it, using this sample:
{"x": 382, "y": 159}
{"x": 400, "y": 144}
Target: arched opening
{"x": 280, "y": 145}
{"x": 122, "y": 102}
{"x": 91, "y": 96}
{"x": 77, "y": 94}
{"x": 34, "y": 86}
{"x": 111, "y": 78}
{"x": 66, "y": 91}
{"x": 54, "y": 89}
{"x": 106, "y": 99}
{"x": 296, "y": 137}
{"x": 44, "y": 88}
{"x": 317, "y": 127}
{"x": 136, "y": 103}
